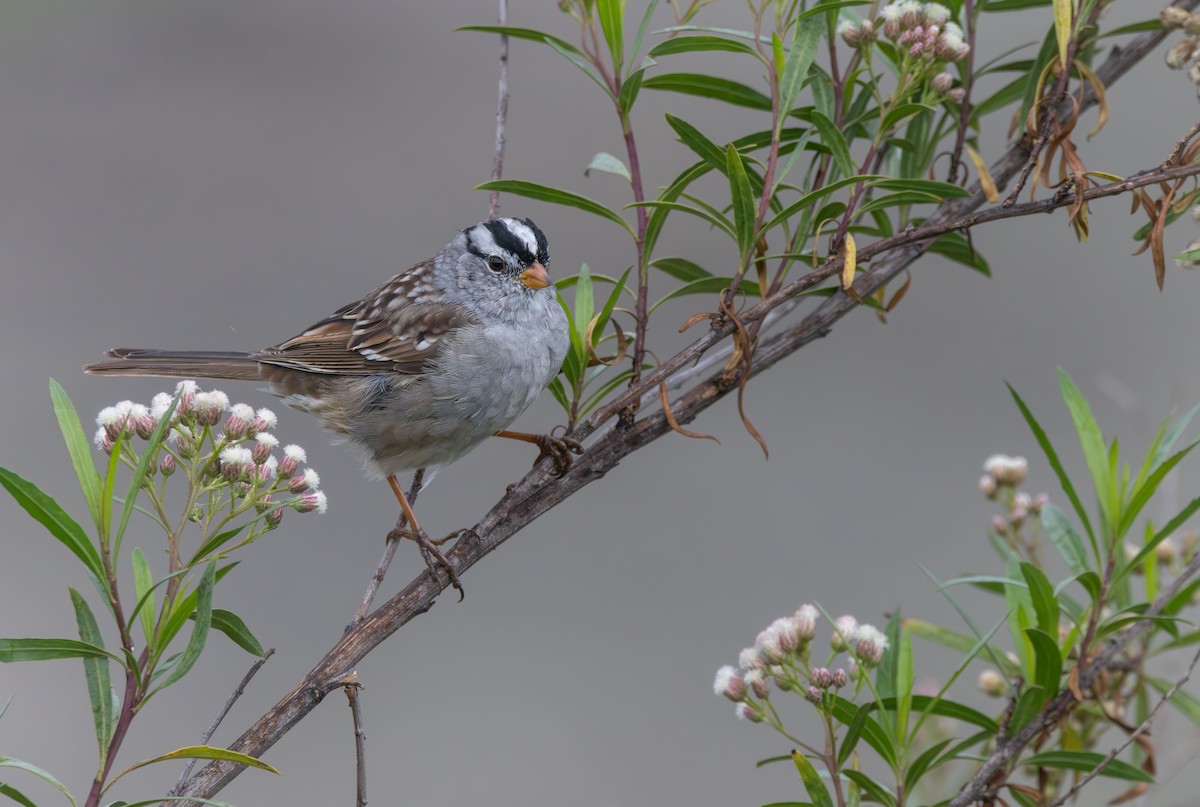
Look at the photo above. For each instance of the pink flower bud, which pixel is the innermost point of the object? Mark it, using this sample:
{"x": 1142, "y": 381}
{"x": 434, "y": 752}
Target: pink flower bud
{"x": 756, "y": 680}
{"x": 813, "y": 696}
{"x": 730, "y": 684}
{"x": 821, "y": 678}
{"x": 844, "y": 628}
{"x": 840, "y": 679}
{"x": 293, "y": 456}
{"x": 264, "y": 444}
{"x": 237, "y": 425}
{"x": 210, "y": 406}
{"x": 166, "y": 465}
{"x": 869, "y": 644}
{"x": 186, "y": 390}
{"x": 102, "y": 441}
{"x": 806, "y": 622}
{"x": 311, "y": 501}
{"x": 309, "y": 480}
{"x": 942, "y": 82}
{"x": 747, "y": 712}
{"x": 265, "y": 420}
{"x": 273, "y": 518}
{"x": 999, "y": 525}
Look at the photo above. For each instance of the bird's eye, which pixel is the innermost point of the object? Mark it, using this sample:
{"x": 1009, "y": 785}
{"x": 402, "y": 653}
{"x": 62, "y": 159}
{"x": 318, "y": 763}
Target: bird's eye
{"x": 495, "y": 263}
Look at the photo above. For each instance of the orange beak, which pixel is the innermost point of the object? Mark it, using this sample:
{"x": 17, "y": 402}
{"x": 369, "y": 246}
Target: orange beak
{"x": 535, "y": 277}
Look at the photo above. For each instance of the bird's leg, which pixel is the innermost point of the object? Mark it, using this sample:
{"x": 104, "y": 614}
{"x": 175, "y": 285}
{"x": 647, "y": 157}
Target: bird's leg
{"x": 429, "y": 551}
{"x": 558, "y": 449}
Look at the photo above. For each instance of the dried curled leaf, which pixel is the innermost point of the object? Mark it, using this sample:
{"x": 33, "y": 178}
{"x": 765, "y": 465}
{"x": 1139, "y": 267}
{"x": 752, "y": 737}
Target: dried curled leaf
{"x": 986, "y": 183}
{"x": 670, "y": 416}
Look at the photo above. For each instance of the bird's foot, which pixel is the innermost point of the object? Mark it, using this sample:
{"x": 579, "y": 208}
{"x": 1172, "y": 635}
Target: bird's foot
{"x": 435, "y": 561}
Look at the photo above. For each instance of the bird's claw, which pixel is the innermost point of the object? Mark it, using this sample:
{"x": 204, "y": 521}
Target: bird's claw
{"x": 435, "y": 561}
{"x": 558, "y": 449}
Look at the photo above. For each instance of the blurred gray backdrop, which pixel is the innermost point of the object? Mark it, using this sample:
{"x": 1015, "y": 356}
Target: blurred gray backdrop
{"x": 222, "y": 173}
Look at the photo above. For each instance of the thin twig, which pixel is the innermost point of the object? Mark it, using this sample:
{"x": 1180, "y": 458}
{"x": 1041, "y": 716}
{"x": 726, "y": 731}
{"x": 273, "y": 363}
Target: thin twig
{"x": 1177, "y": 152}
{"x": 1139, "y": 731}
{"x": 501, "y": 115}
{"x": 389, "y": 551}
{"x": 352, "y": 686}
{"x": 535, "y": 494}
{"x": 212, "y": 727}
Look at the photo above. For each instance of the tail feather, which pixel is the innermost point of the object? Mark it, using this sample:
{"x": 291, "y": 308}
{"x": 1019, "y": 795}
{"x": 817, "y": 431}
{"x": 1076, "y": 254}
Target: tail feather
{"x": 177, "y": 364}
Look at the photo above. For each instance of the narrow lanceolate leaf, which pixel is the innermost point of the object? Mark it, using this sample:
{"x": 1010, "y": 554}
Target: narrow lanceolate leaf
{"x": 144, "y": 467}
{"x": 743, "y": 200}
{"x": 37, "y": 649}
{"x": 694, "y": 139}
{"x": 232, "y": 626}
{"x": 689, "y": 44}
{"x": 799, "y": 60}
{"x": 812, "y": 781}
{"x": 719, "y": 89}
{"x": 143, "y": 584}
{"x": 95, "y": 670}
{"x": 20, "y": 765}
{"x": 1092, "y": 442}
{"x": 1048, "y": 662}
{"x": 199, "y": 752}
{"x": 524, "y": 33}
{"x": 986, "y": 183}
{"x": 544, "y": 193}
{"x": 15, "y": 795}
{"x": 611, "y": 13}
{"x": 45, "y": 510}
{"x": 832, "y": 139}
{"x": 203, "y": 616}
{"x": 1087, "y": 761}
{"x": 1062, "y": 27}
{"x": 850, "y": 262}
{"x": 78, "y": 448}
{"x": 1065, "y": 539}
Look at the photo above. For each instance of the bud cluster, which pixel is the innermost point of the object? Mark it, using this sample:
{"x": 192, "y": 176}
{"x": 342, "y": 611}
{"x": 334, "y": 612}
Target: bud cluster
{"x": 1002, "y": 475}
{"x": 780, "y": 655}
{"x": 232, "y": 463}
{"x": 925, "y": 38}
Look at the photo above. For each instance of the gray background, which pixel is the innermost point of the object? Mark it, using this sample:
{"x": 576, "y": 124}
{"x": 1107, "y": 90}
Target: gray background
{"x": 220, "y": 174}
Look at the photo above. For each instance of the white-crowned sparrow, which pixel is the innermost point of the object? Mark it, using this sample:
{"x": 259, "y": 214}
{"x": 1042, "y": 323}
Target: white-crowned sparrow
{"x": 422, "y": 369}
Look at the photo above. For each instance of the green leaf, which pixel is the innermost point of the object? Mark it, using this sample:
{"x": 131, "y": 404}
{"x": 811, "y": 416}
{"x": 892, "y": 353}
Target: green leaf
{"x": 923, "y": 763}
{"x": 809, "y": 199}
{"x": 524, "y": 33}
{"x": 1045, "y": 604}
{"x": 1087, "y": 761}
{"x": 631, "y": 86}
{"x": 1160, "y": 536}
{"x": 705, "y": 285}
{"x": 203, "y": 616}
{"x": 232, "y": 626}
{"x": 645, "y": 23}
{"x": 198, "y": 752}
{"x": 560, "y": 394}
{"x": 941, "y": 190}
{"x": 585, "y": 302}
{"x": 720, "y": 222}
{"x": 957, "y": 248}
{"x": 658, "y": 217}
{"x": 899, "y": 114}
{"x": 704, "y": 42}
{"x": 1049, "y": 662}
{"x": 832, "y": 138}
{"x": 694, "y": 139}
{"x": 78, "y": 448}
{"x": 159, "y": 800}
{"x": 1052, "y": 456}
{"x": 872, "y": 732}
{"x": 1027, "y": 708}
{"x": 9, "y": 762}
{"x": 681, "y": 268}
{"x": 743, "y": 201}
{"x": 603, "y": 161}
{"x": 873, "y": 789}
{"x": 719, "y": 89}
{"x": 95, "y": 671}
{"x": 812, "y": 781}
{"x": 853, "y": 732}
{"x": 47, "y": 512}
{"x": 953, "y": 709}
{"x": 1187, "y": 704}
{"x": 799, "y": 61}
{"x": 1142, "y": 495}
{"x": 15, "y": 795}
{"x": 1065, "y": 539}
{"x": 37, "y": 649}
{"x": 544, "y": 193}
{"x": 610, "y": 304}
{"x": 1092, "y": 443}
{"x": 143, "y": 585}
{"x": 611, "y": 14}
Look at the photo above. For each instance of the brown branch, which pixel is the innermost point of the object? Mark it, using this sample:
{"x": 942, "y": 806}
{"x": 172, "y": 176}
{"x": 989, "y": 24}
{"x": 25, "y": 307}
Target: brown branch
{"x": 352, "y": 686}
{"x": 212, "y": 727}
{"x": 1054, "y": 711}
{"x": 501, "y": 115}
{"x": 535, "y": 494}
{"x": 1139, "y": 731}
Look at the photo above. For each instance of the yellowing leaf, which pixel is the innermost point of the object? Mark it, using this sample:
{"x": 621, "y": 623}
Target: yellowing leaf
{"x": 1062, "y": 27}
{"x": 985, "y": 176}
{"x": 850, "y": 255}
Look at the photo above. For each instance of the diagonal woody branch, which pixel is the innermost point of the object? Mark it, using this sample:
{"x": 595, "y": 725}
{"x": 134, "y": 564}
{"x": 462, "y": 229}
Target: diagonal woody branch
{"x": 535, "y": 494}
